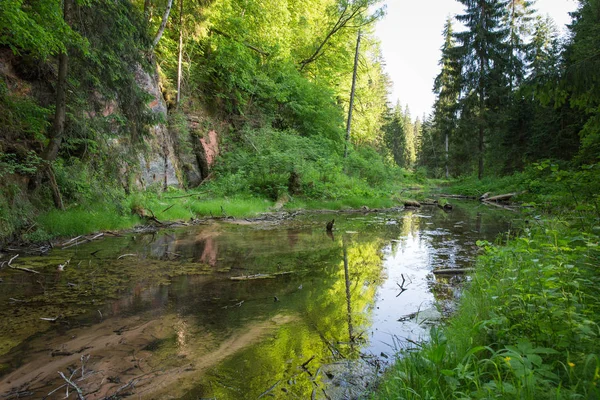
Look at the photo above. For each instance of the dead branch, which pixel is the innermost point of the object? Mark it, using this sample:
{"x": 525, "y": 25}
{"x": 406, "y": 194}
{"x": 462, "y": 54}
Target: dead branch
{"x": 126, "y": 255}
{"x": 99, "y": 235}
{"x": 307, "y": 362}
{"x": 73, "y": 385}
{"x": 269, "y": 389}
{"x": 31, "y": 271}
{"x": 72, "y": 240}
{"x": 17, "y": 300}
{"x": 168, "y": 208}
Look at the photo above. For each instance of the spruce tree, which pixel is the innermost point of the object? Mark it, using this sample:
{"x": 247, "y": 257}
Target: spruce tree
{"x": 582, "y": 78}
{"x": 446, "y": 87}
{"x": 395, "y": 135}
{"x": 482, "y": 51}
{"x": 519, "y": 20}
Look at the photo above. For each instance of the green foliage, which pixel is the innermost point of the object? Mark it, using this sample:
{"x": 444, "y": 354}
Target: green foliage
{"x": 21, "y": 117}
{"x": 15, "y": 209}
{"x": 263, "y": 162}
{"x": 10, "y": 165}
{"x": 551, "y": 185}
{"x": 36, "y": 27}
{"x": 527, "y": 326}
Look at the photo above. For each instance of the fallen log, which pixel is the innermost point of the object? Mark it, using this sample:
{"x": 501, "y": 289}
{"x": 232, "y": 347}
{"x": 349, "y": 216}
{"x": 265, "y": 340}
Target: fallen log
{"x": 457, "y": 196}
{"x": 501, "y": 197}
{"x": 453, "y": 271}
{"x": 491, "y": 203}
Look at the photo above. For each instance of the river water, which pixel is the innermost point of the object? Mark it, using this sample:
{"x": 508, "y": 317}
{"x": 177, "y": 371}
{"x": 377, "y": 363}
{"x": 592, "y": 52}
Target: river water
{"x": 235, "y": 310}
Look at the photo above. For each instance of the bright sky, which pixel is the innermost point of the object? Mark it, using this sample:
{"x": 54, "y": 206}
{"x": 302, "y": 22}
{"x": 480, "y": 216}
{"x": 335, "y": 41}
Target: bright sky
{"x": 411, "y": 38}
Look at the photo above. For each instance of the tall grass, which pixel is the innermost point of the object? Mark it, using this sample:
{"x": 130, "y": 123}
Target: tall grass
{"x": 527, "y": 326}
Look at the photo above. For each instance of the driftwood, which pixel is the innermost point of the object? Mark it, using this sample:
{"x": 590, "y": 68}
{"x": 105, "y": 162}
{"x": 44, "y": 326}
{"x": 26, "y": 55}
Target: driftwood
{"x": 453, "y": 271}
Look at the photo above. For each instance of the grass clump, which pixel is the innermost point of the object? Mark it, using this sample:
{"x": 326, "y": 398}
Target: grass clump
{"x": 527, "y": 326}
{"x": 81, "y": 220}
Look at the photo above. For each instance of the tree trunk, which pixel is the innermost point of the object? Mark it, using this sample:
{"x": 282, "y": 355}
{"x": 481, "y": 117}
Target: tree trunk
{"x": 354, "y": 73}
{"x": 56, "y": 197}
{"x": 179, "y": 62}
{"x": 58, "y": 124}
{"x": 163, "y": 24}
{"x": 481, "y": 149}
{"x": 447, "y": 167}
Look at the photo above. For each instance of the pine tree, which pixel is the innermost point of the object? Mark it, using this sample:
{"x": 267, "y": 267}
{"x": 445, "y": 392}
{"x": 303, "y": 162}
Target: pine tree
{"x": 482, "y": 51}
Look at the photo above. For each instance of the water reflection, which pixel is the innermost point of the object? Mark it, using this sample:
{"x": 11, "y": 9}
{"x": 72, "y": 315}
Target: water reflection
{"x": 235, "y": 311}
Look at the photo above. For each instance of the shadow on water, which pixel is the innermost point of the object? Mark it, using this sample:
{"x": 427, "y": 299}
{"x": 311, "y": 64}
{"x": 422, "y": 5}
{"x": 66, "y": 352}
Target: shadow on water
{"x": 234, "y": 311}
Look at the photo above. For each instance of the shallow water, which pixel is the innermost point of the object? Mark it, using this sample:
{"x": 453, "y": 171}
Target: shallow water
{"x": 235, "y": 311}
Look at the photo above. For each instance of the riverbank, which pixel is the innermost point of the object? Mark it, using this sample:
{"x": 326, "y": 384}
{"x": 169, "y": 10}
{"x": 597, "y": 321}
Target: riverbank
{"x": 173, "y": 206}
{"x": 527, "y": 325}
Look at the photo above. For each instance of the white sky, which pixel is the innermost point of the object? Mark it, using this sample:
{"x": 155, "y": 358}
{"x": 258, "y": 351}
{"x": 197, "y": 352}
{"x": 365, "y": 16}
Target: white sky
{"x": 411, "y": 38}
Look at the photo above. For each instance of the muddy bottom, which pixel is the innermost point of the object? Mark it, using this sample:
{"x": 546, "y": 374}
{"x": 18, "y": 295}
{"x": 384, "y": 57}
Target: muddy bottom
{"x": 234, "y": 311}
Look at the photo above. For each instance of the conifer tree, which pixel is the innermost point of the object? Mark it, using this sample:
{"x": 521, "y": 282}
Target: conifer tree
{"x": 519, "y": 20}
{"x": 446, "y": 87}
{"x": 395, "y": 135}
{"x": 582, "y": 78}
{"x": 482, "y": 51}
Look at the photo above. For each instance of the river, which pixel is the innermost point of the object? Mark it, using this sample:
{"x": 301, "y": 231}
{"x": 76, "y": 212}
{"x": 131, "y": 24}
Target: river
{"x": 235, "y": 310}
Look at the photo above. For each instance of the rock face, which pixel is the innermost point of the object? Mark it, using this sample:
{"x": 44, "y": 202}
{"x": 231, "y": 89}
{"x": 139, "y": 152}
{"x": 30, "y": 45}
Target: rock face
{"x": 168, "y": 163}
{"x": 205, "y": 149}
{"x": 160, "y": 164}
